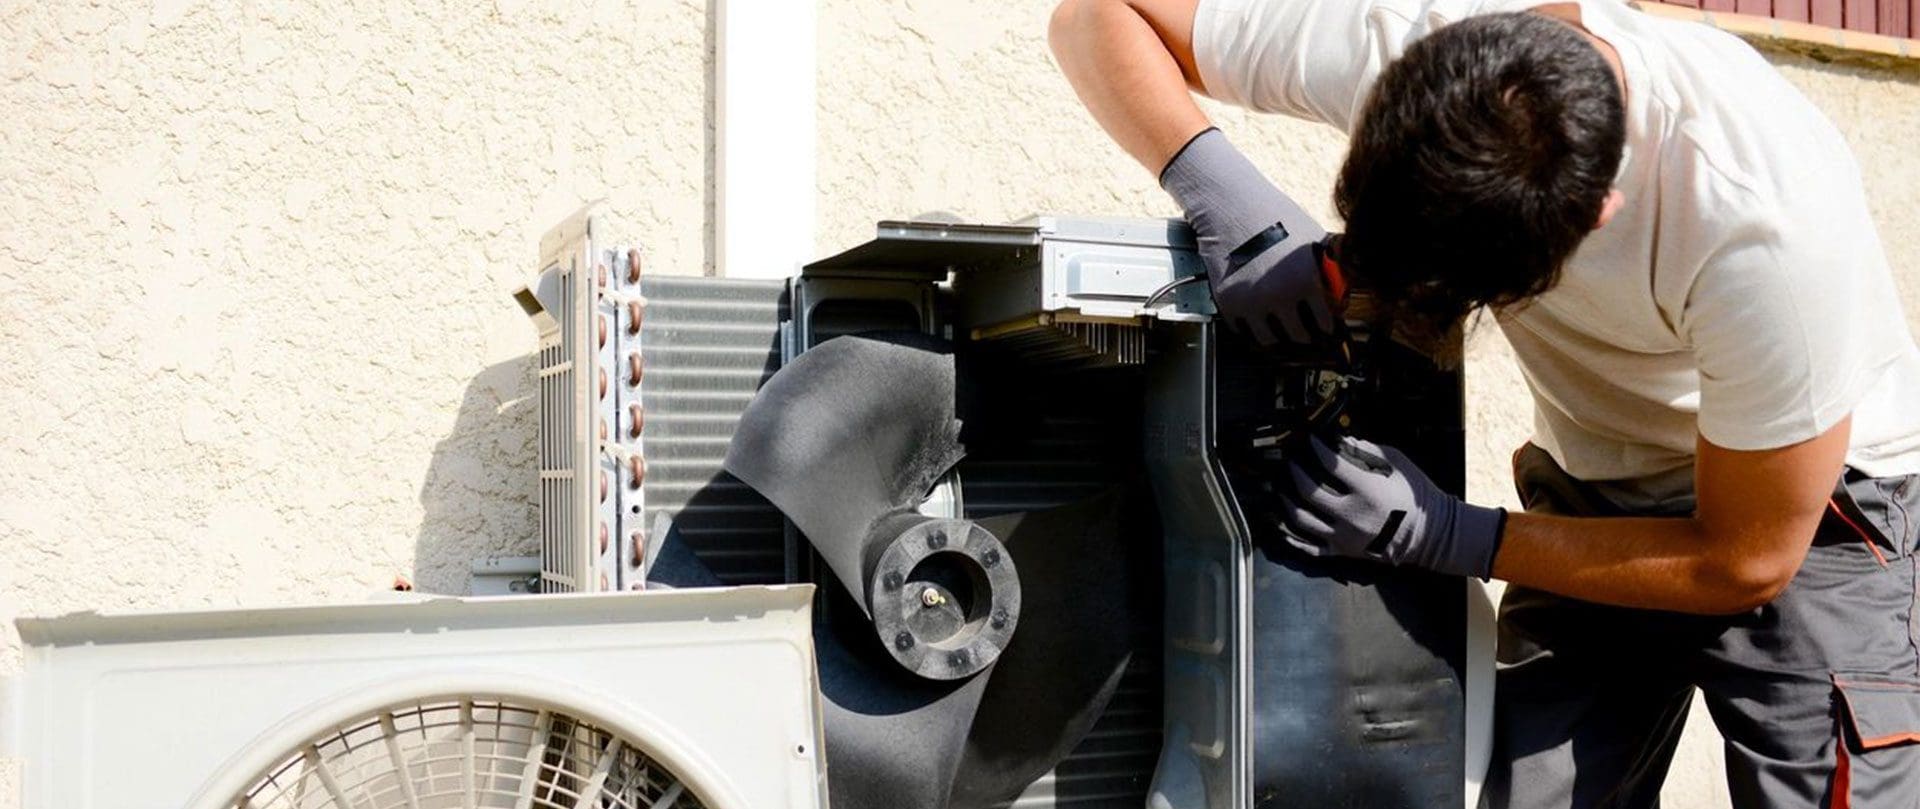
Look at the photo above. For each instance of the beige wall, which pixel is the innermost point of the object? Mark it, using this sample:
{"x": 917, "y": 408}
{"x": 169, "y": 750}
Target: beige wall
{"x": 256, "y": 258}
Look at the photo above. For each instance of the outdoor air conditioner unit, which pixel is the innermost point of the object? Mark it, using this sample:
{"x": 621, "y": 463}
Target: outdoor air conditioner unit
{"x": 1008, "y": 452}
{"x": 1086, "y": 351}
{"x": 664, "y": 700}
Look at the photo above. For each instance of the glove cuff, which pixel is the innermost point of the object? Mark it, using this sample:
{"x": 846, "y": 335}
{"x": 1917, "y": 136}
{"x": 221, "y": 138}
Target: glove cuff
{"x": 1223, "y": 195}
{"x": 1212, "y": 130}
{"x": 1477, "y": 532}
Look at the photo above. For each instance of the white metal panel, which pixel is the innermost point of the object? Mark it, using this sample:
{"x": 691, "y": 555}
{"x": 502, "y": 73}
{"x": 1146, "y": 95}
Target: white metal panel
{"x": 1482, "y": 630}
{"x": 185, "y": 709}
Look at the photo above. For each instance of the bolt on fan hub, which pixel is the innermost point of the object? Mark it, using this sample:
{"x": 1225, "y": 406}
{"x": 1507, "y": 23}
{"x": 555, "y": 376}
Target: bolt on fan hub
{"x": 945, "y": 598}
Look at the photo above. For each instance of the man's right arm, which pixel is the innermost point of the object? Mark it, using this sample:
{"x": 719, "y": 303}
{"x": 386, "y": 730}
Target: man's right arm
{"x": 1131, "y": 62}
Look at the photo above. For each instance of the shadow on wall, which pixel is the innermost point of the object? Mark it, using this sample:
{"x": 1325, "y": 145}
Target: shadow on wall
{"x": 479, "y": 498}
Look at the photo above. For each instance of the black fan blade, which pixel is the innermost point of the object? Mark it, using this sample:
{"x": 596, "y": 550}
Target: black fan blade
{"x": 846, "y": 440}
{"x": 670, "y": 564}
{"x": 1080, "y": 606}
{"x": 894, "y": 740}
{"x": 854, "y": 430}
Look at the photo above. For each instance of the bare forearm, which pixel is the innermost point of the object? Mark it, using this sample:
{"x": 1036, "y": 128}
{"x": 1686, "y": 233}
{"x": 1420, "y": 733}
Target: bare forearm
{"x": 1756, "y": 513}
{"x": 1646, "y": 562}
{"x": 1127, "y": 76}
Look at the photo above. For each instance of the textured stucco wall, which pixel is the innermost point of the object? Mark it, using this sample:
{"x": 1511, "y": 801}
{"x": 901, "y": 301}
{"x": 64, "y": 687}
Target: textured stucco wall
{"x": 257, "y": 256}
{"x": 257, "y": 259}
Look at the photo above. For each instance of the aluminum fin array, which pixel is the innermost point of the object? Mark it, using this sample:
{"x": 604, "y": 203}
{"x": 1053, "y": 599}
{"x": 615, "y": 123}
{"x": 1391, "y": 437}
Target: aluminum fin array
{"x": 587, "y": 308}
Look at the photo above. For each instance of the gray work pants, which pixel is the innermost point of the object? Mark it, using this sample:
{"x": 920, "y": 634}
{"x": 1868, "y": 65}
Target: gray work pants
{"x": 1816, "y": 693}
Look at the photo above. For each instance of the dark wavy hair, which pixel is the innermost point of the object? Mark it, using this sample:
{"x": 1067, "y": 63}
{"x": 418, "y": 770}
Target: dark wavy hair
{"x": 1482, "y": 158}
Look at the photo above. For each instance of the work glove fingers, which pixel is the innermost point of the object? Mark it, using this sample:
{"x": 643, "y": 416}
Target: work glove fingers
{"x": 1285, "y": 491}
{"x": 1400, "y": 465}
{"x": 1319, "y": 465}
{"x": 1358, "y": 455}
{"x": 1297, "y": 523}
{"x": 1304, "y": 531}
{"x": 1337, "y": 458}
{"x": 1297, "y": 301}
{"x": 1314, "y": 469}
{"x": 1308, "y": 492}
{"x": 1312, "y": 316}
{"x": 1260, "y": 330}
{"x": 1366, "y": 447}
{"x": 1277, "y": 325}
{"x": 1316, "y": 310}
{"x": 1306, "y": 518}
{"x": 1306, "y": 546}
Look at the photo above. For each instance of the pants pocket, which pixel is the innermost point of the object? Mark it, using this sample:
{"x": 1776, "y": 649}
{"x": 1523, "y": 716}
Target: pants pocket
{"x": 1877, "y": 758}
{"x": 1876, "y": 511}
{"x": 1881, "y": 711}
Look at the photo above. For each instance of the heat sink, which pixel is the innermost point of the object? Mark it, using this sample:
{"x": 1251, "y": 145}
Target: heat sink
{"x": 587, "y": 306}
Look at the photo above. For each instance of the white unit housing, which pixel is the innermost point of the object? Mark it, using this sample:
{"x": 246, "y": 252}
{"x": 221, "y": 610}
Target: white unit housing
{"x": 691, "y": 698}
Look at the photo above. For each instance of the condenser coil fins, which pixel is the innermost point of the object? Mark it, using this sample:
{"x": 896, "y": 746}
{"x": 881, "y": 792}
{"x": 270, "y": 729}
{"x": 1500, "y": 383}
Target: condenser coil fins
{"x": 641, "y": 377}
{"x": 707, "y": 345}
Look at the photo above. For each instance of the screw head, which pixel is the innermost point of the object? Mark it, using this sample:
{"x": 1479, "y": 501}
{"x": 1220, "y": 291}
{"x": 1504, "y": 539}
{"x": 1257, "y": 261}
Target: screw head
{"x": 991, "y": 558}
{"x": 892, "y": 580}
{"x": 937, "y": 540}
{"x": 999, "y": 619}
{"x": 903, "y": 641}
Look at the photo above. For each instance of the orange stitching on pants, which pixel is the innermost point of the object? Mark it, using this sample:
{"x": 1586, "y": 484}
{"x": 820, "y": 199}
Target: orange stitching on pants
{"x": 1842, "y": 770}
{"x": 1832, "y": 504}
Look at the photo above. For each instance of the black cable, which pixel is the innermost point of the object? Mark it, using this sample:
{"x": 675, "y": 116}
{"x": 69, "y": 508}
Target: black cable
{"x": 1169, "y": 288}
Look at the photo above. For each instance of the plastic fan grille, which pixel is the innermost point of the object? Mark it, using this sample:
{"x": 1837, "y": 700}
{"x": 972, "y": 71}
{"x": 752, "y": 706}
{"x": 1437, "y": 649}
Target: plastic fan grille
{"x": 468, "y": 754}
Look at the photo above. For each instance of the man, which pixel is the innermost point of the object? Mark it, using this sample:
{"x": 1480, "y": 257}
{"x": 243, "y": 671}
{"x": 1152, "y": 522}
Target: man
{"x": 1727, "y": 398}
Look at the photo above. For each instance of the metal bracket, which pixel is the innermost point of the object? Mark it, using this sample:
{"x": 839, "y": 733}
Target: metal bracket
{"x": 509, "y": 575}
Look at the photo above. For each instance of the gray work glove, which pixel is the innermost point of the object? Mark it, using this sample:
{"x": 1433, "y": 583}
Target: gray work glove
{"x": 1362, "y": 500}
{"x": 1257, "y": 244}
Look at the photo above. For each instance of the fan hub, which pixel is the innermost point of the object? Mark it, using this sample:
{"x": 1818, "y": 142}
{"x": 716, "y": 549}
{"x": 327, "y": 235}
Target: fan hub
{"x": 945, "y": 598}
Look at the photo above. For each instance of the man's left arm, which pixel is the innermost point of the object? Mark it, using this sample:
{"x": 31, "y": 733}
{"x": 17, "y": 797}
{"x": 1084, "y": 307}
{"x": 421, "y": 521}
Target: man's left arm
{"x": 1756, "y": 515}
{"x": 1778, "y": 330}
{"x": 1778, "y": 325}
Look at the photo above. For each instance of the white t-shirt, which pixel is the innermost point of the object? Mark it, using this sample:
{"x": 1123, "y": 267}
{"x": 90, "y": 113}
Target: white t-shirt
{"x": 1741, "y": 293}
